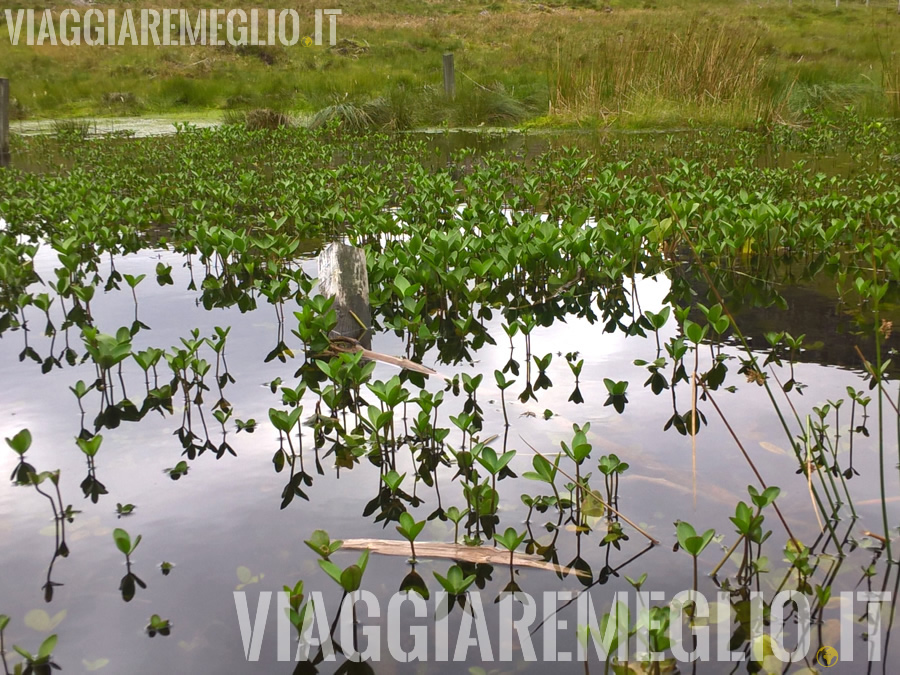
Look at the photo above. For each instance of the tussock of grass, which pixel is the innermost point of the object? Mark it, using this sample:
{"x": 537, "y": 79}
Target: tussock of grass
{"x": 396, "y": 111}
{"x": 805, "y": 97}
{"x": 260, "y": 118}
{"x": 72, "y": 129}
{"x": 265, "y": 118}
{"x": 474, "y": 105}
{"x": 345, "y": 115}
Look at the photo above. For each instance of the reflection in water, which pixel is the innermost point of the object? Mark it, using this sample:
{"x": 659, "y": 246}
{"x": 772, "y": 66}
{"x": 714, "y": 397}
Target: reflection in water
{"x": 213, "y": 521}
{"x": 589, "y": 401}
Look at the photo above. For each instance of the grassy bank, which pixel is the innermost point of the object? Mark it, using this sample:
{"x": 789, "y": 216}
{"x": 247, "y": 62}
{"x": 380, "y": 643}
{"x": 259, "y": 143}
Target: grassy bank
{"x": 629, "y": 63}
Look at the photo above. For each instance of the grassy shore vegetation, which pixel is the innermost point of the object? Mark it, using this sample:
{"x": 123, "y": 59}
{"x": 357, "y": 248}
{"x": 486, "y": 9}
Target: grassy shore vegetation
{"x": 632, "y": 63}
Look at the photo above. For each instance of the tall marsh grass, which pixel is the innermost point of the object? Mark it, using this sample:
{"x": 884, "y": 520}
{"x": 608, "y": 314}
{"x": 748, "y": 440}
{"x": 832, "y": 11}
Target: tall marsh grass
{"x": 890, "y": 77}
{"x": 708, "y": 67}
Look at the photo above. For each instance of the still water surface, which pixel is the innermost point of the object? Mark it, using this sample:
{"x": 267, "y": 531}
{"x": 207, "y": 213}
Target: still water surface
{"x": 222, "y": 527}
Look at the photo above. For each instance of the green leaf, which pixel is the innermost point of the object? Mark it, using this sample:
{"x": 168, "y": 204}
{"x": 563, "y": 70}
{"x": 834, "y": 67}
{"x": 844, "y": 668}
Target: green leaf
{"x": 685, "y": 531}
{"x": 123, "y": 540}
{"x": 591, "y": 506}
{"x": 393, "y": 480}
{"x": 742, "y": 517}
{"x": 363, "y": 560}
{"x": 90, "y": 446}
{"x": 20, "y": 442}
{"x": 351, "y": 578}
{"x": 408, "y": 527}
{"x": 637, "y": 583}
{"x": 694, "y": 331}
{"x": 25, "y": 654}
{"x": 331, "y": 570}
{"x": 47, "y": 647}
{"x": 321, "y": 543}
{"x": 695, "y": 545}
{"x": 455, "y": 515}
{"x": 770, "y": 494}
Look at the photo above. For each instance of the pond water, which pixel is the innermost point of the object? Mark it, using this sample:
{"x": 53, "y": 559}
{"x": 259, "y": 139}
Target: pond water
{"x": 222, "y": 526}
{"x": 135, "y": 126}
{"x": 224, "y": 515}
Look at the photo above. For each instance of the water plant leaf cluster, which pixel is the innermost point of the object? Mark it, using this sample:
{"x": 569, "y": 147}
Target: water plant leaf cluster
{"x": 467, "y": 251}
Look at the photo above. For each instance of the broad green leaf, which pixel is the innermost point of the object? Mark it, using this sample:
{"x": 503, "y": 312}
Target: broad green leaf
{"x": 123, "y": 540}
{"x": 331, "y": 570}
{"x": 20, "y": 442}
{"x": 351, "y": 578}
{"x": 47, "y": 647}
{"x": 685, "y": 531}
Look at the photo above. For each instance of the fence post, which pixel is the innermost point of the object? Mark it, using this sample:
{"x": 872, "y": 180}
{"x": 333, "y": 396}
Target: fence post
{"x": 4, "y": 122}
{"x": 449, "y": 76}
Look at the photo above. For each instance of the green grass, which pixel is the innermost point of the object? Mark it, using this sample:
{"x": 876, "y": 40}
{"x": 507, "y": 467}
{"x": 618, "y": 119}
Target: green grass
{"x": 643, "y": 63}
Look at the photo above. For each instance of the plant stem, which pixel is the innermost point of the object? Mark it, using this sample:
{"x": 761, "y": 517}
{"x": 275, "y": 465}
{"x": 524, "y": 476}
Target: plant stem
{"x": 598, "y": 497}
{"x": 3, "y": 654}
{"x": 695, "y": 577}
{"x": 727, "y": 556}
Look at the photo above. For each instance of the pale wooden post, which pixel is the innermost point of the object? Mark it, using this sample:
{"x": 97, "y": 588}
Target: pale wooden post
{"x": 343, "y": 276}
{"x": 449, "y": 76}
{"x": 4, "y": 121}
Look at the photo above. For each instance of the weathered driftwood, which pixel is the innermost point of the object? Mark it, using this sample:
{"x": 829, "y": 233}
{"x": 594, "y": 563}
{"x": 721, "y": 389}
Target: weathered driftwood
{"x": 343, "y": 344}
{"x": 343, "y": 276}
{"x": 470, "y": 554}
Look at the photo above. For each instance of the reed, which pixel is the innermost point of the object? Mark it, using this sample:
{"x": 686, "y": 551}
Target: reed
{"x": 707, "y": 68}
{"x": 890, "y": 77}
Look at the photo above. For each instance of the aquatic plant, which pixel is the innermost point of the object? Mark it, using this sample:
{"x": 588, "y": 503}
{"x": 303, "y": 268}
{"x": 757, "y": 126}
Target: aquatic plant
{"x": 455, "y": 583}
{"x": 463, "y": 247}
{"x": 42, "y": 661}
{"x": 510, "y": 540}
{"x": 410, "y": 529}
{"x": 454, "y": 515}
{"x": 20, "y": 443}
{"x": 158, "y": 626}
{"x": 350, "y": 577}
{"x": 124, "y": 543}
{"x": 322, "y": 544}
{"x": 297, "y": 609}
{"x": 578, "y": 452}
